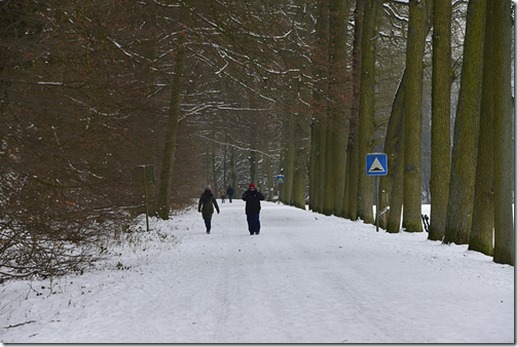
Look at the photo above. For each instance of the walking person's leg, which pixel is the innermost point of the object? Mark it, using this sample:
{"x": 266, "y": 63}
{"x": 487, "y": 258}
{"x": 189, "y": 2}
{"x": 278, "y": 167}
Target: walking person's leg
{"x": 250, "y": 221}
{"x": 207, "y": 224}
{"x": 253, "y": 222}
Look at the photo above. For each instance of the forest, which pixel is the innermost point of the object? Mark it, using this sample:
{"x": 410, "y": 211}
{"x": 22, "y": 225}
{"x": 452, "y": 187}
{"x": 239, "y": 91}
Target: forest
{"x": 114, "y": 108}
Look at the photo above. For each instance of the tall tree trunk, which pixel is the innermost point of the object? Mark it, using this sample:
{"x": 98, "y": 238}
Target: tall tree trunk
{"x": 417, "y": 31}
{"x": 481, "y": 236}
{"x": 214, "y": 173}
{"x": 391, "y": 185}
{"x": 339, "y": 99}
{"x": 396, "y": 200}
{"x": 300, "y": 163}
{"x": 464, "y": 156}
{"x": 166, "y": 174}
{"x": 441, "y": 101}
{"x": 267, "y": 174}
{"x": 225, "y": 169}
{"x": 366, "y": 126}
{"x": 313, "y": 166}
{"x": 319, "y": 106}
{"x": 289, "y": 159}
{"x": 351, "y": 195}
{"x": 328, "y": 197}
{"x": 322, "y": 157}
{"x": 504, "y": 251}
{"x": 233, "y": 174}
{"x": 252, "y": 160}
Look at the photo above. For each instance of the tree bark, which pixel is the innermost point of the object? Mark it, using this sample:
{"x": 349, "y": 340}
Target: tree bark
{"x": 391, "y": 185}
{"x": 481, "y": 236}
{"x": 166, "y": 174}
{"x": 464, "y": 156}
{"x": 314, "y": 169}
{"x": 213, "y": 171}
{"x": 267, "y": 174}
{"x": 233, "y": 174}
{"x": 441, "y": 101}
{"x": 328, "y": 197}
{"x": 351, "y": 195}
{"x": 300, "y": 161}
{"x": 289, "y": 160}
{"x": 339, "y": 99}
{"x": 417, "y": 31}
{"x": 319, "y": 106}
{"x": 366, "y": 126}
{"x": 504, "y": 251}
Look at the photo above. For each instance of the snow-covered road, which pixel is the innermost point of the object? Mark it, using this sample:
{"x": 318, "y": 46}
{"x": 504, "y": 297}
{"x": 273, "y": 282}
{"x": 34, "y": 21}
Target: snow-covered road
{"x": 305, "y": 278}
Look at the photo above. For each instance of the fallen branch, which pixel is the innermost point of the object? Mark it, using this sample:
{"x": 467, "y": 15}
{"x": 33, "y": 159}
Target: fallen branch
{"x": 20, "y": 324}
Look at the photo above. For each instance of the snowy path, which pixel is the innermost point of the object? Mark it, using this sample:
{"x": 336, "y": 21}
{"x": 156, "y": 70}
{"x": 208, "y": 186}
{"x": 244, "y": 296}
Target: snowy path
{"x": 305, "y": 278}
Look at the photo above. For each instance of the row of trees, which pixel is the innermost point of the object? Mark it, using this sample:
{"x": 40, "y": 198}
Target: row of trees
{"x": 464, "y": 186}
{"x": 230, "y": 91}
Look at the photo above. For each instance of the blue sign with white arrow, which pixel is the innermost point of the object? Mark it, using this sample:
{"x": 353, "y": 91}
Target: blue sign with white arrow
{"x": 279, "y": 179}
{"x": 377, "y": 164}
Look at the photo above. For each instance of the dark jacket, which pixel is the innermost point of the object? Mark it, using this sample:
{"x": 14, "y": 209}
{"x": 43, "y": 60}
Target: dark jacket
{"x": 253, "y": 203}
{"x": 230, "y": 191}
{"x": 207, "y": 203}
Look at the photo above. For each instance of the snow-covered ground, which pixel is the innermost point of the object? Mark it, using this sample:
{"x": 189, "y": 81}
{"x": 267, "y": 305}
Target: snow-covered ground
{"x": 305, "y": 278}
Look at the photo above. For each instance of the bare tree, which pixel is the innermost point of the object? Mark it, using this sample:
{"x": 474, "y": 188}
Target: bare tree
{"x": 503, "y": 171}
{"x": 481, "y": 235}
{"x": 340, "y": 99}
{"x": 366, "y": 126}
{"x": 441, "y": 102}
{"x": 464, "y": 156}
{"x": 417, "y": 32}
{"x": 351, "y": 189}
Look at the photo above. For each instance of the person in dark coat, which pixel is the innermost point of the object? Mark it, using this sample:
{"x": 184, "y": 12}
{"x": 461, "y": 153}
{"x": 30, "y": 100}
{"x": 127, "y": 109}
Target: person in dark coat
{"x": 253, "y": 199}
{"x": 230, "y": 193}
{"x": 206, "y": 207}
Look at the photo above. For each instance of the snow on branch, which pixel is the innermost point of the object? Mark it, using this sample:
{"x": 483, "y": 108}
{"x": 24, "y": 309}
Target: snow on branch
{"x": 235, "y": 146}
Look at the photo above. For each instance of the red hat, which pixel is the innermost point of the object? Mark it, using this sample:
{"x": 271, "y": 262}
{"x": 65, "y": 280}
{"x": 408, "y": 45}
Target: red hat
{"x": 251, "y": 186}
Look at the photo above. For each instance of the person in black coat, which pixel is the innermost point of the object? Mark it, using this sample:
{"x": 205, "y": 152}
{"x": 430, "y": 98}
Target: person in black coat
{"x": 253, "y": 199}
{"x": 230, "y": 193}
{"x": 206, "y": 206}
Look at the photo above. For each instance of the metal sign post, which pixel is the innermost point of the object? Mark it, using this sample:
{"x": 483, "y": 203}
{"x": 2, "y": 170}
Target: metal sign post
{"x": 279, "y": 180}
{"x": 376, "y": 165}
